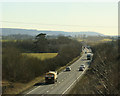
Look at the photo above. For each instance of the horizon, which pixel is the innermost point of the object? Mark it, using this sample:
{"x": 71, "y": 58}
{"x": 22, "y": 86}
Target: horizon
{"x": 60, "y": 31}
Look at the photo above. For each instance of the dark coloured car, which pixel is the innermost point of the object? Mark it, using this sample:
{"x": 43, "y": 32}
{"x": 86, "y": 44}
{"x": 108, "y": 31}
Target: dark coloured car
{"x": 81, "y": 68}
{"x": 88, "y": 56}
{"x": 68, "y": 69}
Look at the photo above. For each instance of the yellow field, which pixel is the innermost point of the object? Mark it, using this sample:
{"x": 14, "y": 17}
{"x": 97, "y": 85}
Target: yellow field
{"x": 79, "y": 40}
{"x": 8, "y": 40}
{"x": 106, "y": 40}
{"x": 41, "y": 56}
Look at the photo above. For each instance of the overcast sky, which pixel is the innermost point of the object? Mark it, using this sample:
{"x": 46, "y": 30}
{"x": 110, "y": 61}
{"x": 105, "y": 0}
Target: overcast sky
{"x": 99, "y": 17}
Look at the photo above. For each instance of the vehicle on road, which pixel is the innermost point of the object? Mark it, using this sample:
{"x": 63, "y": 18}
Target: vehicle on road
{"x": 81, "y": 68}
{"x": 83, "y": 65}
{"x": 68, "y": 69}
{"x": 51, "y": 77}
{"x": 88, "y": 56}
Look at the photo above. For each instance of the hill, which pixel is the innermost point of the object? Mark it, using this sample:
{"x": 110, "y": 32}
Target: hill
{"x": 11, "y": 31}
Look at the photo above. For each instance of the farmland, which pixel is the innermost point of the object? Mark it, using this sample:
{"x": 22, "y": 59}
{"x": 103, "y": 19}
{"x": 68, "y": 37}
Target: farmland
{"x": 41, "y": 56}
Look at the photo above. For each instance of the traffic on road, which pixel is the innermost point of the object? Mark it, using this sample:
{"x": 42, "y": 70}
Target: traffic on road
{"x": 62, "y": 83}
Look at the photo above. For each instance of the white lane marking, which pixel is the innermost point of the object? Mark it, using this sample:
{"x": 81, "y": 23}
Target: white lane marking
{"x": 72, "y": 84}
{"x": 32, "y": 90}
{"x": 47, "y": 91}
{"x": 59, "y": 82}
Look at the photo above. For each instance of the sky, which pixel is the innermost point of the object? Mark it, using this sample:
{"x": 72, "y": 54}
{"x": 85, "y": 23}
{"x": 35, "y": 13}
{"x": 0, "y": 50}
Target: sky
{"x": 93, "y": 16}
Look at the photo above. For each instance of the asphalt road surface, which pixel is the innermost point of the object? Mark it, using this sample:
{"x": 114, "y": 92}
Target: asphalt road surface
{"x": 66, "y": 80}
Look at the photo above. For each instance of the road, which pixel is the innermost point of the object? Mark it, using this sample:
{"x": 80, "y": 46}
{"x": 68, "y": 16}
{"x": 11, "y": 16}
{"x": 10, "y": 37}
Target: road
{"x": 66, "y": 80}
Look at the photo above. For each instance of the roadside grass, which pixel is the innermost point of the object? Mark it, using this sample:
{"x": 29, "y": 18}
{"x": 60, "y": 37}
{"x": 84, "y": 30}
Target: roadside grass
{"x": 17, "y": 88}
{"x": 80, "y": 86}
{"x": 20, "y": 88}
{"x": 41, "y": 56}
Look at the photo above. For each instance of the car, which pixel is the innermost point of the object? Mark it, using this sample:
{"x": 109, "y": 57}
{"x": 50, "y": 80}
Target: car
{"x": 83, "y": 65}
{"x": 68, "y": 69}
{"x": 81, "y": 68}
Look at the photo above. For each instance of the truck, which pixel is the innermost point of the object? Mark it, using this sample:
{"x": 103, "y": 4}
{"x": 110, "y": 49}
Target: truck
{"x": 51, "y": 77}
{"x": 89, "y": 57}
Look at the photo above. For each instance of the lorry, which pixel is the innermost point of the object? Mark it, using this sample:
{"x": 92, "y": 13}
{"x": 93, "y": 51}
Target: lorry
{"x": 51, "y": 77}
{"x": 89, "y": 57}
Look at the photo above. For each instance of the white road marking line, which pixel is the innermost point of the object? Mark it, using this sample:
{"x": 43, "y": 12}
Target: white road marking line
{"x": 32, "y": 90}
{"x": 59, "y": 82}
{"x": 47, "y": 91}
{"x": 72, "y": 84}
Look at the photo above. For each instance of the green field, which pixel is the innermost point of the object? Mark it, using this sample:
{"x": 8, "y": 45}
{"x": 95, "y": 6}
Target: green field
{"x": 41, "y": 56}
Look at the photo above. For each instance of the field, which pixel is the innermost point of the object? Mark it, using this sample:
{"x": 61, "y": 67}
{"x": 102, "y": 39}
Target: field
{"x": 41, "y": 56}
{"x": 105, "y": 40}
{"x": 8, "y": 40}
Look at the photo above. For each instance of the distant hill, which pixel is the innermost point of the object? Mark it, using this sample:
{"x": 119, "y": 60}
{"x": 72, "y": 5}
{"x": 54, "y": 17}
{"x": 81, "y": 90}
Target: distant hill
{"x": 11, "y": 31}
